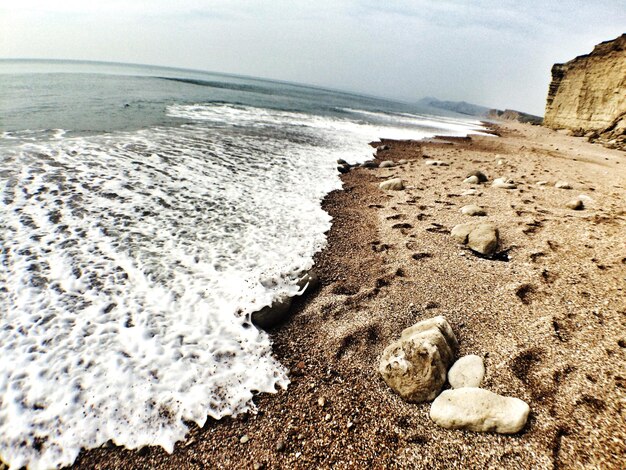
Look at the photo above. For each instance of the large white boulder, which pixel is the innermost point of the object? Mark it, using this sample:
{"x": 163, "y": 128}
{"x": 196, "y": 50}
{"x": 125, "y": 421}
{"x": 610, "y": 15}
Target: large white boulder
{"x": 416, "y": 365}
{"x": 475, "y": 409}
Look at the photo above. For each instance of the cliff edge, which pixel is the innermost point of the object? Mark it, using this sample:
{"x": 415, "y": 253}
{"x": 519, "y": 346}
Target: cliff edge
{"x": 588, "y": 94}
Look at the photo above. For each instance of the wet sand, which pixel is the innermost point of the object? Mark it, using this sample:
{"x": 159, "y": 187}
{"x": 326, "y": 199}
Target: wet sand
{"x": 549, "y": 322}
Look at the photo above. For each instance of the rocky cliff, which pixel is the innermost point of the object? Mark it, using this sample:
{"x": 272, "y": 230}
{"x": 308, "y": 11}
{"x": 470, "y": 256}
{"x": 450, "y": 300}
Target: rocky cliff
{"x": 588, "y": 94}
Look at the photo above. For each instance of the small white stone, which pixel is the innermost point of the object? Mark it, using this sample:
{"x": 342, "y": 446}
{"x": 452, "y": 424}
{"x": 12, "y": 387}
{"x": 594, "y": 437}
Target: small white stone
{"x": 562, "y": 185}
{"x": 435, "y": 163}
{"x": 469, "y": 192}
{"x": 386, "y": 164}
{"x": 471, "y": 180}
{"x": 395, "y": 184}
{"x": 473, "y": 210}
{"x": 542, "y": 183}
{"x": 476, "y": 409}
{"x": 503, "y": 183}
{"x": 468, "y": 371}
{"x": 244, "y": 439}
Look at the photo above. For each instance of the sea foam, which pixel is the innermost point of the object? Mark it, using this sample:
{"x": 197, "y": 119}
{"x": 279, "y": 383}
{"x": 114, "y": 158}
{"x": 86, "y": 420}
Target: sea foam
{"x": 131, "y": 263}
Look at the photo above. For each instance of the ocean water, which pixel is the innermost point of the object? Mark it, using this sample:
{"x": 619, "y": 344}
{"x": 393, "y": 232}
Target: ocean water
{"x": 145, "y": 213}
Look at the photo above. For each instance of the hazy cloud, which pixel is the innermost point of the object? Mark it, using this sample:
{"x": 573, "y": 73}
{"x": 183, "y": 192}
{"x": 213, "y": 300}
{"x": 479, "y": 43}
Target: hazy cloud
{"x": 496, "y": 53}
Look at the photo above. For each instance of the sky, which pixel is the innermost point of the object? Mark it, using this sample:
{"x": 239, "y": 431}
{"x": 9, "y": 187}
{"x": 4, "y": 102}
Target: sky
{"x": 496, "y": 53}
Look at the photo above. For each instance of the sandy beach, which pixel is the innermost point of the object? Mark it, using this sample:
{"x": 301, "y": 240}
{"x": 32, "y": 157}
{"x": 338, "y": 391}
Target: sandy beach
{"x": 547, "y": 317}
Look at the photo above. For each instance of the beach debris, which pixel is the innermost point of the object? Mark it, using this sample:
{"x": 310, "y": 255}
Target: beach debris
{"x": 386, "y": 164}
{"x": 575, "y": 204}
{"x": 468, "y": 371}
{"x": 562, "y": 185}
{"x": 475, "y": 409}
{"x": 482, "y": 238}
{"x": 395, "y": 184}
{"x": 415, "y": 366}
{"x": 504, "y": 183}
{"x": 479, "y": 175}
{"x": 471, "y": 180}
{"x": 436, "y": 163}
{"x": 473, "y": 210}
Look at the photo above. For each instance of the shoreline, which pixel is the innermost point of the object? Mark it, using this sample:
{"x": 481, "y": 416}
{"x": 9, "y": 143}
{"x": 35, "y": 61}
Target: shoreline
{"x": 544, "y": 322}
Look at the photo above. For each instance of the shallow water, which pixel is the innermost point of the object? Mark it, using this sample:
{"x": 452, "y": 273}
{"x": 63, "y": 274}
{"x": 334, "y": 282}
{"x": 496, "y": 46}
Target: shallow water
{"x": 137, "y": 240}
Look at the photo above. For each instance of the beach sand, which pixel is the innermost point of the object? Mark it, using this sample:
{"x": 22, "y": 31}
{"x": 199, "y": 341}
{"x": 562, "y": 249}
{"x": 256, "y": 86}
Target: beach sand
{"x": 549, "y": 323}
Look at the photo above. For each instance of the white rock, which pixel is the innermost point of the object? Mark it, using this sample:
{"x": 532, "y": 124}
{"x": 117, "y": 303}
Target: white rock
{"x": 542, "y": 183}
{"x": 473, "y": 210}
{"x": 435, "y": 163}
{"x": 482, "y": 238}
{"x": 402, "y": 162}
{"x": 471, "y": 180}
{"x": 415, "y": 366}
{"x": 469, "y": 192}
{"x": 575, "y": 204}
{"x": 386, "y": 164}
{"x": 395, "y": 184}
{"x": 562, "y": 185}
{"x": 503, "y": 183}
{"x": 438, "y": 322}
{"x": 479, "y": 175}
{"x": 468, "y": 371}
{"x": 475, "y": 409}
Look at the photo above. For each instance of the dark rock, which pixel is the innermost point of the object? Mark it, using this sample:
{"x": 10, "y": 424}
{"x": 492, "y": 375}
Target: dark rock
{"x": 478, "y": 174}
{"x": 273, "y": 314}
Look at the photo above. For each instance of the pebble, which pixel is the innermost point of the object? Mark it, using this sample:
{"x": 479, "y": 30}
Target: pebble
{"x": 504, "y": 183}
{"x": 436, "y": 163}
{"x": 542, "y": 183}
{"x": 386, "y": 164}
{"x": 395, "y": 184}
{"x": 471, "y": 180}
{"x": 280, "y": 446}
{"x": 468, "y": 371}
{"x": 562, "y": 185}
{"x": 244, "y": 439}
{"x": 575, "y": 204}
{"x": 473, "y": 210}
{"x": 469, "y": 192}
{"x": 321, "y": 401}
{"x": 475, "y": 409}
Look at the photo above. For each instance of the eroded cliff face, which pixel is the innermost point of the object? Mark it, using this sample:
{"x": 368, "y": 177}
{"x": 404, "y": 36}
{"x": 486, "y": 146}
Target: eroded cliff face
{"x": 588, "y": 94}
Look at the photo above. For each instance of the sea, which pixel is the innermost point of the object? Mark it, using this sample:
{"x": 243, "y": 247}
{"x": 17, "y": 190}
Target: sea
{"x": 145, "y": 213}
